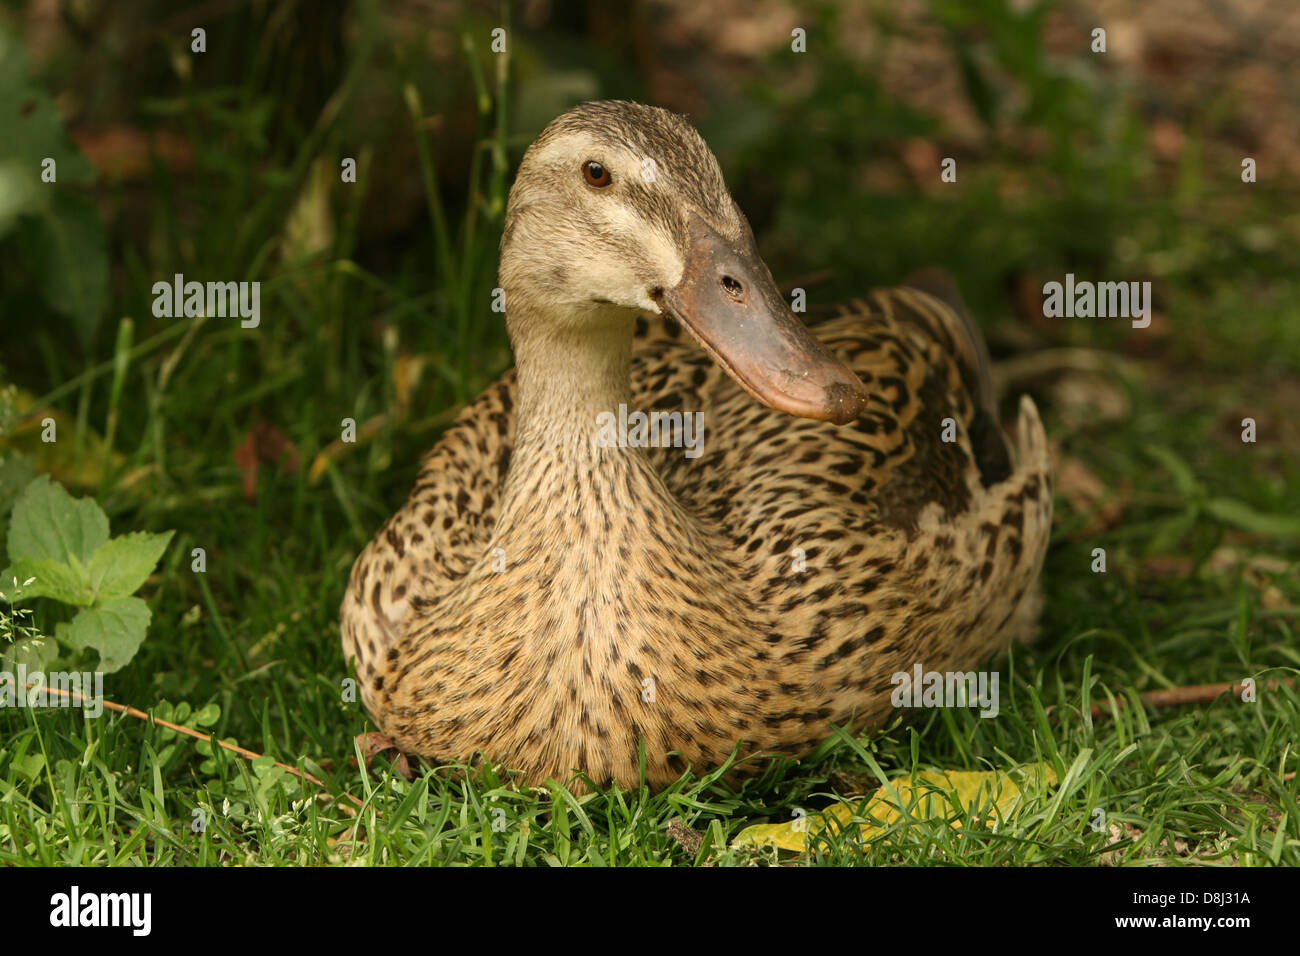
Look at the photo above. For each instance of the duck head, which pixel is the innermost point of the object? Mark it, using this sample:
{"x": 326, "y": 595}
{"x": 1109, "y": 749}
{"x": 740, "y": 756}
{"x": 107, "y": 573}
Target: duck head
{"x": 620, "y": 208}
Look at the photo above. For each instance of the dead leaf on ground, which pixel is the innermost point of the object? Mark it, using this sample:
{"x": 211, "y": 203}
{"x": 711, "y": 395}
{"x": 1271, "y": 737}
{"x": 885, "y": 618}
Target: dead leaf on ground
{"x": 1168, "y": 565}
{"x": 846, "y": 781}
{"x": 1088, "y": 495}
{"x": 126, "y": 154}
{"x": 1085, "y": 399}
{"x": 1209, "y": 851}
{"x": 264, "y": 444}
{"x": 686, "y": 837}
{"x": 1151, "y": 340}
{"x": 921, "y": 157}
{"x": 1029, "y": 304}
{"x": 374, "y": 743}
{"x": 1258, "y": 570}
{"x": 1166, "y": 139}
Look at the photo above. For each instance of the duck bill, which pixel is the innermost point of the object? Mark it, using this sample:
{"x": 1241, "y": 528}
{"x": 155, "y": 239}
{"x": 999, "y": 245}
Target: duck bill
{"x": 728, "y": 301}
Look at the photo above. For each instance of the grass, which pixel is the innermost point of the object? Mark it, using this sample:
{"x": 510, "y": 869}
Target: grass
{"x": 1195, "y": 591}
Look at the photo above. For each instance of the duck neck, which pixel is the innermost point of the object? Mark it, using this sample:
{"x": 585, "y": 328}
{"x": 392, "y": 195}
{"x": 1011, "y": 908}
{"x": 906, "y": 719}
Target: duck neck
{"x": 593, "y": 522}
{"x": 568, "y": 374}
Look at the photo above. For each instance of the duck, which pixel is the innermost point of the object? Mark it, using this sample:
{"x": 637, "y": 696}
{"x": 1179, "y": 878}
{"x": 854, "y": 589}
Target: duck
{"x": 583, "y": 598}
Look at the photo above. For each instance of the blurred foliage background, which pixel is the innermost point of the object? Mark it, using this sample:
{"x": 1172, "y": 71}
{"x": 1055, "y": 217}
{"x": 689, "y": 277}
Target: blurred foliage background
{"x": 224, "y": 165}
{"x": 1119, "y": 165}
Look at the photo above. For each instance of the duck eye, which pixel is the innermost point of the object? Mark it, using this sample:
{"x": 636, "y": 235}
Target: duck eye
{"x": 595, "y": 174}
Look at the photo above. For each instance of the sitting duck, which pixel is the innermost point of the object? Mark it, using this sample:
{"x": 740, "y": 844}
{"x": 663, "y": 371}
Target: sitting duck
{"x": 569, "y": 597}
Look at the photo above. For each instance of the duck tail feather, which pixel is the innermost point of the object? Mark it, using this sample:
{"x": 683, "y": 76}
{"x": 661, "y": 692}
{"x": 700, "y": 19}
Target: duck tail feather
{"x": 1031, "y": 445}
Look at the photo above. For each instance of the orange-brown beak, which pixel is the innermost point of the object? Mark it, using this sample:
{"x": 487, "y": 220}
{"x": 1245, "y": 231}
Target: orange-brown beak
{"x": 727, "y": 299}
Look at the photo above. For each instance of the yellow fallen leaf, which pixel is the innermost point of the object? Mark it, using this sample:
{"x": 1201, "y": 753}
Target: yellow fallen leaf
{"x": 928, "y": 795}
{"x": 49, "y": 438}
{"x": 309, "y": 230}
{"x": 364, "y": 432}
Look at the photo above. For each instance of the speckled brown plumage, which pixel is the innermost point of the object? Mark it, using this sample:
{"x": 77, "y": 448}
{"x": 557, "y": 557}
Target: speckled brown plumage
{"x": 535, "y": 581}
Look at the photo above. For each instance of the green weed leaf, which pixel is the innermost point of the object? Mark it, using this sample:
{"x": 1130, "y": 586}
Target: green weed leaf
{"x": 34, "y": 653}
{"x": 61, "y": 232}
{"x": 16, "y": 473}
{"x": 1241, "y": 515}
{"x": 208, "y": 716}
{"x": 31, "y": 766}
{"x": 1184, "y": 478}
{"x": 61, "y": 545}
{"x": 67, "y": 249}
{"x": 120, "y": 566}
{"x": 49, "y": 524}
{"x": 115, "y": 628}
{"x": 48, "y": 579}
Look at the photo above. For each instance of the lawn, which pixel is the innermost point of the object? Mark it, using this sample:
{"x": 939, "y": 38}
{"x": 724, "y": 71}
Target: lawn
{"x": 375, "y": 309}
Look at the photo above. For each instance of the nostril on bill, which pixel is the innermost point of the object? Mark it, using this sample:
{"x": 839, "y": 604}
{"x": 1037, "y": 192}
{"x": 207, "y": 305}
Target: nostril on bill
{"x": 734, "y": 287}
